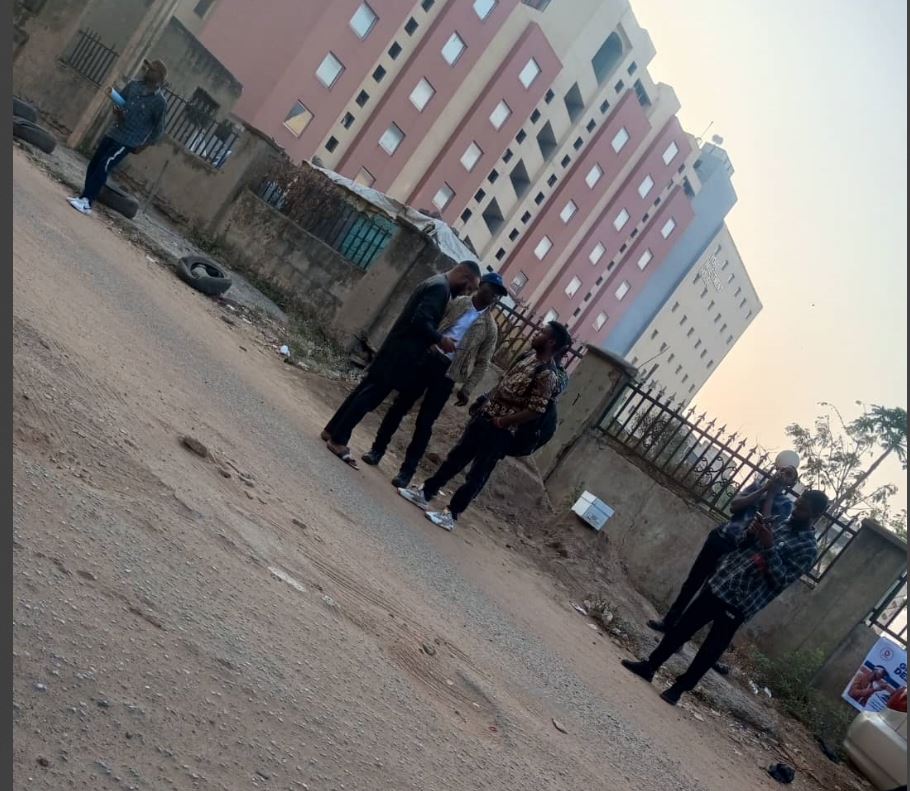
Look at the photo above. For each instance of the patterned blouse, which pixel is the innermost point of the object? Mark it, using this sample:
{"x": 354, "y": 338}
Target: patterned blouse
{"x": 520, "y": 389}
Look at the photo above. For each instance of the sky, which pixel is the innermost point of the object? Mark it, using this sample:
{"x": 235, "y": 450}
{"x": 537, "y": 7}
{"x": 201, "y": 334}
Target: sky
{"x": 810, "y": 99}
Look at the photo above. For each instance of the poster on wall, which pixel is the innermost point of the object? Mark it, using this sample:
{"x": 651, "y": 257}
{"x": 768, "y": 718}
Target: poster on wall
{"x": 882, "y": 674}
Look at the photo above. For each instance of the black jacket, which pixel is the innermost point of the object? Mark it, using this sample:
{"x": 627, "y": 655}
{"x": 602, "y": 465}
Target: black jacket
{"x": 413, "y": 332}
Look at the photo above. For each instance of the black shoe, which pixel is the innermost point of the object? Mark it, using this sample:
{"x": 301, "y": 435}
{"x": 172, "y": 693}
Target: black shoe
{"x": 657, "y": 626}
{"x": 372, "y": 458}
{"x": 720, "y": 667}
{"x": 640, "y": 669}
{"x": 671, "y": 695}
{"x": 402, "y": 480}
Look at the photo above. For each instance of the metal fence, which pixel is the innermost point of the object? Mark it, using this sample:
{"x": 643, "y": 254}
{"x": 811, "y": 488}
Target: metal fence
{"x": 90, "y": 57}
{"x": 517, "y": 325}
{"x": 195, "y": 127}
{"x": 357, "y": 235}
{"x": 708, "y": 463}
{"x": 889, "y": 616}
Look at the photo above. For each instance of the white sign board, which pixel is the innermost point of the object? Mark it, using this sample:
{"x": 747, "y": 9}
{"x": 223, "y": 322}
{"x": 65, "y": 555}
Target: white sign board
{"x": 882, "y": 674}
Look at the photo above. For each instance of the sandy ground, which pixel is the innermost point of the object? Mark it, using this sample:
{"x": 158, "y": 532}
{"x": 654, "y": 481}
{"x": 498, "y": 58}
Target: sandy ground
{"x": 266, "y": 617}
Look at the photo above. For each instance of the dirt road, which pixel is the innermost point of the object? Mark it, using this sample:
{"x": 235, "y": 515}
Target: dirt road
{"x": 267, "y": 617}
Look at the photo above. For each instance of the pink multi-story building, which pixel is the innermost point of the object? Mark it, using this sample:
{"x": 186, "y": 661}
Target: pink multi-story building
{"x": 537, "y": 134}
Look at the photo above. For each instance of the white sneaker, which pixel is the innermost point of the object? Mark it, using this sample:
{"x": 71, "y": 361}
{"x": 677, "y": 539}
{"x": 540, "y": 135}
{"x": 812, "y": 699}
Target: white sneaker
{"x": 443, "y": 519}
{"x": 81, "y": 205}
{"x": 414, "y": 494}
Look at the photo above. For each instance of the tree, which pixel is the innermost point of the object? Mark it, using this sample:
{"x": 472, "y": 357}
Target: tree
{"x": 840, "y": 457}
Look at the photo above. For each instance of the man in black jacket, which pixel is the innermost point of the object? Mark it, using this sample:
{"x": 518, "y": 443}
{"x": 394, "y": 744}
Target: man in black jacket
{"x": 411, "y": 336}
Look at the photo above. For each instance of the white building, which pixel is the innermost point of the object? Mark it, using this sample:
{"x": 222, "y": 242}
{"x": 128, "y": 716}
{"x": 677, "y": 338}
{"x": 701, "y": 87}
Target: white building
{"x": 699, "y": 323}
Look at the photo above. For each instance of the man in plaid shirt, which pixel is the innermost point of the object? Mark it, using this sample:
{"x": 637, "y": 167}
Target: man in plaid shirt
{"x": 768, "y": 560}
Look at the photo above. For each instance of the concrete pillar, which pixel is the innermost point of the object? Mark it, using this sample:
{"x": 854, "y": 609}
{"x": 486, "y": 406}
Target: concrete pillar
{"x": 87, "y": 129}
{"x": 821, "y": 618}
{"x": 594, "y": 383}
{"x": 839, "y": 668}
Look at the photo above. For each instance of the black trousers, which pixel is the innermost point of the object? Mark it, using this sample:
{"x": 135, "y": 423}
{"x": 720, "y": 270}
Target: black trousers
{"x": 482, "y": 446}
{"x": 712, "y": 552}
{"x": 107, "y": 156}
{"x": 372, "y": 390}
{"x": 707, "y": 608}
{"x": 430, "y": 383}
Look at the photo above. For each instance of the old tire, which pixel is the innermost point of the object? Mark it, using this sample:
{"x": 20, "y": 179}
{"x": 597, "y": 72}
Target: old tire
{"x": 121, "y": 202}
{"x": 204, "y": 275}
{"x": 30, "y": 132}
{"x": 24, "y": 110}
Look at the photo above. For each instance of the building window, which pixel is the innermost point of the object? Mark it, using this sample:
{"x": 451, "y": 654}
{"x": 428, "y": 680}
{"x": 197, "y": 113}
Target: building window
{"x": 494, "y": 174}
{"x": 669, "y": 225}
{"x": 519, "y": 282}
{"x": 470, "y": 157}
{"x": 663, "y": 347}
{"x": 539, "y": 198}
{"x": 394, "y": 50}
{"x": 426, "y": 5}
{"x": 549, "y": 96}
{"x": 543, "y": 247}
{"x": 670, "y": 152}
{"x": 329, "y": 70}
{"x": 575, "y": 104}
{"x": 683, "y": 320}
{"x": 362, "y": 98}
{"x": 507, "y": 155}
{"x": 479, "y": 195}
{"x": 565, "y": 161}
{"x": 551, "y": 179}
{"x": 590, "y": 125}
{"x": 645, "y": 187}
{"x": 443, "y": 197}
{"x": 422, "y": 94}
{"x": 202, "y": 8}
{"x": 698, "y": 343}
{"x": 686, "y": 379}
{"x": 529, "y": 73}
{"x": 525, "y": 218}
{"x": 452, "y": 50}
{"x": 298, "y": 119}
{"x": 671, "y": 358}
{"x": 391, "y": 139}
{"x": 738, "y": 291}
{"x": 574, "y": 285}
{"x": 466, "y": 215}
{"x": 710, "y": 364}
{"x": 729, "y": 339}
{"x": 678, "y": 370}
{"x": 742, "y": 304}
{"x": 483, "y": 8}
{"x": 520, "y": 137}
{"x": 704, "y": 293}
{"x": 578, "y": 143}
{"x": 379, "y": 73}
{"x": 600, "y": 320}
{"x": 604, "y": 107}
{"x": 331, "y": 144}
{"x": 654, "y": 334}
{"x": 675, "y": 307}
{"x": 717, "y": 318}
{"x": 363, "y": 21}
{"x": 620, "y": 139}
{"x": 500, "y": 115}
{"x": 704, "y": 353}
{"x": 500, "y": 253}
{"x": 619, "y": 86}
{"x": 732, "y": 277}
{"x": 411, "y": 26}
{"x": 535, "y": 116}
{"x": 622, "y": 290}
{"x": 749, "y": 314}
{"x": 552, "y": 315}
{"x": 691, "y": 389}
{"x": 597, "y": 253}
{"x": 689, "y": 333}
{"x": 364, "y": 177}
{"x": 593, "y": 176}
{"x": 711, "y": 305}
{"x": 644, "y": 259}
{"x": 348, "y": 121}
{"x": 621, "y": 219}
{"x": 568, "y": 211}
{"x": 513, "y": 234}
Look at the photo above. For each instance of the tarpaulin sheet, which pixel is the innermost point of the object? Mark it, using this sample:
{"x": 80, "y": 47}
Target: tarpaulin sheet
{"x": 441, "y": 234}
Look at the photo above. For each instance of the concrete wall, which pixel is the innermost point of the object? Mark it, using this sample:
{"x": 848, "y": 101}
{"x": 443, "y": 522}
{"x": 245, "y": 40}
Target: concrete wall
{"x": 190, "y": 190}
{"x": 838, "y": 670}
{"x": 39, "y": 76}
{"x": 262, "y": 240}
{"x": 190, "y": 65}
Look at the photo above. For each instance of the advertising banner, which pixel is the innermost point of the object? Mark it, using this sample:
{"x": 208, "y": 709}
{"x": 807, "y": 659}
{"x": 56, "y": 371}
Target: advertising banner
{"x": 882, "y": 674}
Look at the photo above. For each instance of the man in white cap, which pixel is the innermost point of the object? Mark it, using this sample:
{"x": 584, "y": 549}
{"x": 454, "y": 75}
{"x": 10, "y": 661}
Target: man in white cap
{"x": 767, "y": 497}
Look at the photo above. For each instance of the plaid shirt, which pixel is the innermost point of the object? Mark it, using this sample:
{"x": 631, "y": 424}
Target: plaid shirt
{"x": 143, "y": 123}
{"x": 781, "y": 509}
{"x": 751, "y": 577}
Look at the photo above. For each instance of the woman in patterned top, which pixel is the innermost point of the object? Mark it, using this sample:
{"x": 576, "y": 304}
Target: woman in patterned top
{"x": 520, "y": 397}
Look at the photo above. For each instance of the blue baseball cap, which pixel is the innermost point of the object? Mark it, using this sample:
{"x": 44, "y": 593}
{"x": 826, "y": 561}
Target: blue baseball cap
{"x": 495, "y": 279}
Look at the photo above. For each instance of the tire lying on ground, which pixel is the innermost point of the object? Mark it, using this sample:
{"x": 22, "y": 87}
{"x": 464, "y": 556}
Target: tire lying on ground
{"x": 24, "y": 110}
{"x": 204, "y": 275}
{"x": 30, "y": 132}
{"x": 120, "y": 201}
